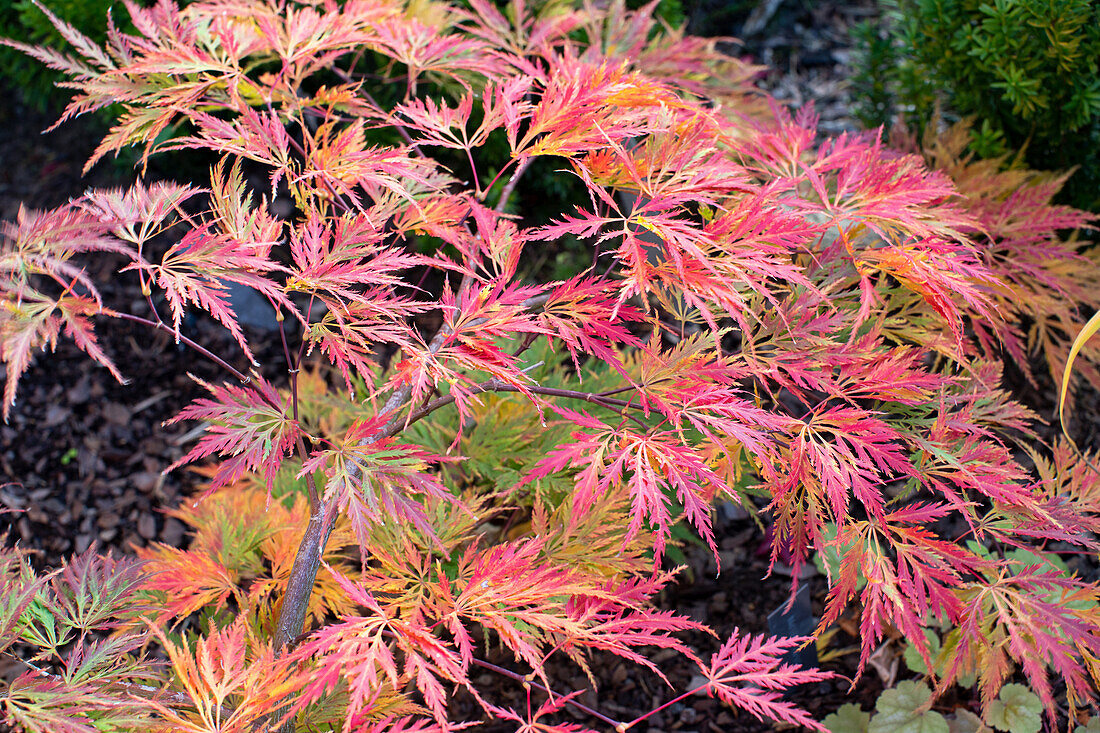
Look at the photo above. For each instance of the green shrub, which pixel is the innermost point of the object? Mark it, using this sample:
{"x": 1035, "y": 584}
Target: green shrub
{"x": 1027, "y": 70}
{"x": 20, "y": 19}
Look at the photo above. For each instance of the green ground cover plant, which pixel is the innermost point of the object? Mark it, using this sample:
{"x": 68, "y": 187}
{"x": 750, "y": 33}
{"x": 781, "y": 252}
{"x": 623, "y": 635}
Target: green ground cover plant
{"x": 31, "y": 80}
{"x": 1025, "y": 71}
{"x": 465, "y": 457}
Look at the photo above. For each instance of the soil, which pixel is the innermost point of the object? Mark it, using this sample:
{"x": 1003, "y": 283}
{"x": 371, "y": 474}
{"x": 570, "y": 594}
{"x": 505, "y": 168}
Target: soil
{"x": 81, "y": 457}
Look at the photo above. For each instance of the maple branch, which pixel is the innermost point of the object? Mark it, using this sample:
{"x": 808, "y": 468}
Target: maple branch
{"x": 190, "y": 344}
{"x": 473, "y": 169}
{"x": 293, "y": 367}
{"x": 528, "y": 681}
{"x": 654, "y": 711}
{"x": 510, "y": 186}
{"x": 493, "y": 385}
{"x": 141, "y": 692}
{"x": 303, "y": 574}
{"x": 307, "y": 561}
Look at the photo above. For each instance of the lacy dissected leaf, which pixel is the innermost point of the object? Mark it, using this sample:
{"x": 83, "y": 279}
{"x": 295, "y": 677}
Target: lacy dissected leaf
{"x": 907, "y": 575}
{"x": 186, "y": 581}
{"x": 1048, "y": 279}
{"x": 1034, "y": 617}
{"x": 361, "y": 650}
{"x": 526, "y": 29}
{"x": 593, "y": 540}
{"x": 832, "y": 456}
{"x": 428, "y": 48}
{"x": 1070, "y": 493}
{"x": 96, "y": 674}
{"x": 697, "y": 388}
{"x": 619, "y": 620}
{"x": 587, "y": 317}
{"x": 636, "y": 36}
{"x": 249, "y": 426}
{"x": 306, "y": 39}
{"x": 231, "y": 524}
{"x": 670, "y": 168}
{"x": 761, "y": 313}
{"x": 141, "y": 212}
{"x": 43, "y": 704}
{"x": 342, "y": 258}
{"x": 44, "y": 242}
{"x": 198, "y": 270}
{"x": 378, "y": 481}
{"x": 513, "y": 591}
{"x": 40, "y": 246}
{"x": 748, "y": 672}
{"x": 341, "y": 159}
{"x": 502, "y": 105}
{"x": 846, "y": 449}
{"x": 96, "y": 591}
{"x": 256, "y": 136}
{"x": 476, "y": 321}
{"x": 112, "y": 663}
{"x": 350, "y": 333}
{"x": 32, "y": 320}
{"x": 18, "y": 588}
{"x": 653, "y": 468}
{"x": 243, "y": 547}
{"x": 353, "y": 275}
{"x": 959, "y": 454}
{"x": 587, "y": 105}
{"x": 232, "y": 681}
{"x": 281, "y": 549}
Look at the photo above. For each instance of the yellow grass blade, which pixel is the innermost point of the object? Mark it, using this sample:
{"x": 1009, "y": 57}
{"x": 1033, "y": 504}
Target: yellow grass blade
{"x": 1086, "y": 333}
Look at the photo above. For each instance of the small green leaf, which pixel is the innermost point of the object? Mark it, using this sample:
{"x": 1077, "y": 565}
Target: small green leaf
{"x": 899, "y": 711}
{"x": 967, "y": 722}
{"x": 966, "y": 680}
{"x": 828, "y": 558}
{"x": 848, "y": 718}
{"x": 1093, "y": 726}
{"x": 1017, "y": 710}
{"x": 912, "y": 657}
{"x": 1047, "y": 561}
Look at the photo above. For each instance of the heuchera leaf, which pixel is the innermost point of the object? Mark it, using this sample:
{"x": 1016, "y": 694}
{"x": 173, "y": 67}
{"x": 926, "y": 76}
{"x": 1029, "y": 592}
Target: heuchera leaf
{"x": 848, "y": 718}
{"x": 903, "y": 709}
{"x": 1016, "y": 709}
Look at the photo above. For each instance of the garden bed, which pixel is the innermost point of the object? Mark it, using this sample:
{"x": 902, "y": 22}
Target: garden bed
{"x": 81, "y": 455}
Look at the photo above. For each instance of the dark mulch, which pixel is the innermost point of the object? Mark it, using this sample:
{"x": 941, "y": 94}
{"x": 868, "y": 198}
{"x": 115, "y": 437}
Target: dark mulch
{"x": 82, "y": 455}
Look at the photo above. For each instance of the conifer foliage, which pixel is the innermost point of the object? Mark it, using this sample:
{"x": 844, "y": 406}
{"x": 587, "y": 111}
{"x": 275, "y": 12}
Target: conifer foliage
{"x": 810, "y": 330}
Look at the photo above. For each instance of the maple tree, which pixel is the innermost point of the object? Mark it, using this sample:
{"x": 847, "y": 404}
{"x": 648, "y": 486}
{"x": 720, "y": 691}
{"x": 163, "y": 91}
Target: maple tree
{"x": 811, "y": 330}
